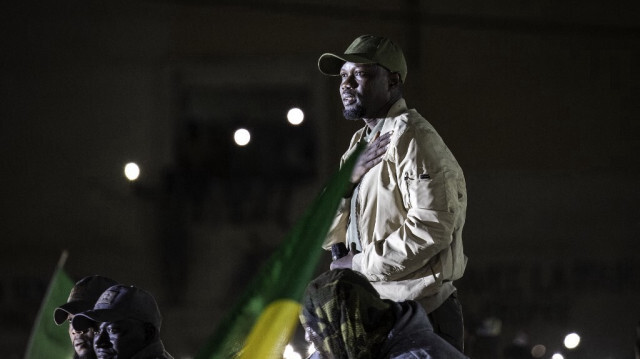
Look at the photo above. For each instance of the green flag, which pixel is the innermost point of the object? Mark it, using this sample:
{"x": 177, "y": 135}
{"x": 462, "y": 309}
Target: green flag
{"x": 49, "y": 341}
{"x": 263, "y": 321}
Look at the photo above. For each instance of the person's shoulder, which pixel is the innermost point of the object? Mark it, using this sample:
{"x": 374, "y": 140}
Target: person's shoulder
{"x": 417, "y": 121}
{"x": 411, "y": 120}
{"x": 412, "y": 126}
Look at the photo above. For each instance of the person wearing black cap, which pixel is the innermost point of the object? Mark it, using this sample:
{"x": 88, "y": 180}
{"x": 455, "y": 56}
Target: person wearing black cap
{"x": 403, "y": 217}
{"x": 127, "y": 322}
{"x": 83, "y": 296}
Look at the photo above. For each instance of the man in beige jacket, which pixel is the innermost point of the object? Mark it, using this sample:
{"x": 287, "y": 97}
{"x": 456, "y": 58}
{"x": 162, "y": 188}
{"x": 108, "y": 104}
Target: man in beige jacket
{"x": 403, "y": 219}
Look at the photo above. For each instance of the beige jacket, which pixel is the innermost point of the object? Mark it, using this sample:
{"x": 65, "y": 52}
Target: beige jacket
{"x": 411, "y": 210}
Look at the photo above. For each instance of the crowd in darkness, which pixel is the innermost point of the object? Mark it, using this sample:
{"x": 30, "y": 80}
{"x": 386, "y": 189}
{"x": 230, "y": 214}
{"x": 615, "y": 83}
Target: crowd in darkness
{"x": 111, "y": 320}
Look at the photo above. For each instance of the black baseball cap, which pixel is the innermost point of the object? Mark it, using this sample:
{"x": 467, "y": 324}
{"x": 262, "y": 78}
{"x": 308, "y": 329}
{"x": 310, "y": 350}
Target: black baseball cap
{"x": 120, "y": 302}
{"x": 83, "y": 296}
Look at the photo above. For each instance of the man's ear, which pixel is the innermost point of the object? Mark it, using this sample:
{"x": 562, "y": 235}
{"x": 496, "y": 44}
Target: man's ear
{"x": 150, "y": 332}
{"x": 394, "y": 80}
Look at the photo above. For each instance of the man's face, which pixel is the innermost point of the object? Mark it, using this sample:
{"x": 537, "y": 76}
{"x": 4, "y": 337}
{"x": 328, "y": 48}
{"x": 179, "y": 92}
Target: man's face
{"x": 82, "y": 341}
{"x": 364, "y": 90}
{"x": 119, "y": 340}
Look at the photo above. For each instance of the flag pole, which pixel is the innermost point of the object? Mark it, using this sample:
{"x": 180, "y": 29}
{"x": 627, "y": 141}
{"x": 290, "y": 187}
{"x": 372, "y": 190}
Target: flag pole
{"x": 63, "y": 259}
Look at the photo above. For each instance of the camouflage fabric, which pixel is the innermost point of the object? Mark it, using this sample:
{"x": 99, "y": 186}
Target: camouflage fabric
{"x": 344, "y": 317}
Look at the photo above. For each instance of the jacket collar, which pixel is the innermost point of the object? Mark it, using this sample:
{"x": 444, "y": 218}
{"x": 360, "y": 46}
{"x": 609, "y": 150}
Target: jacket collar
{"x": 385, "y": 125}
{"x": 397, "y": 108}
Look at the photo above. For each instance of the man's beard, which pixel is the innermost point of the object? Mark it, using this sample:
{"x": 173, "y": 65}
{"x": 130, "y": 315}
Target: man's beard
{"x": 354, "y": 113}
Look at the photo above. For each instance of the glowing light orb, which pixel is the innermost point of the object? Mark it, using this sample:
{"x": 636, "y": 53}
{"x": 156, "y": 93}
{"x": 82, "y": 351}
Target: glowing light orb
{"x": 131, "y": 171}
{"x": 571, "y": 341}
{"x": 242, "y": 137}
{"x": 538, "y": 351}
{"x": 295, "y": 116}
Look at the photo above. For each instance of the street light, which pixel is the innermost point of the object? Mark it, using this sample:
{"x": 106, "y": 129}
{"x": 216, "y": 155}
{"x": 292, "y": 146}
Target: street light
{"x": 242, "y": 137}
{"x": 538, "y": 351}
{"x": 295, "y": 116}
{"x": 131, "y": 171}
{"x": 572, "y": 340}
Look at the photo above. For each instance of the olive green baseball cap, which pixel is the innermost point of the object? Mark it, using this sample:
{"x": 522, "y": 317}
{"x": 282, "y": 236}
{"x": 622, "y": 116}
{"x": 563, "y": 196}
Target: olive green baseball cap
{"x": 366, "y": 49}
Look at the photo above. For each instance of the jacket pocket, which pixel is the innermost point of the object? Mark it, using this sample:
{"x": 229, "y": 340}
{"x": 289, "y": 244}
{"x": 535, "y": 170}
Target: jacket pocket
{"x": 425, "y": 191}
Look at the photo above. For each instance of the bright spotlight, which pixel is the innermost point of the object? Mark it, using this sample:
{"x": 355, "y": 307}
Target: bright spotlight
{"x": 131, "y": 171}
{"x": 557, "y": 356}
{"x": 295, "y": 116}
{"x": 242, "y": 137}
{"x": 538, "y": 351}
{"x": 571, "y": 341}
{"x": 289, "y": 353}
